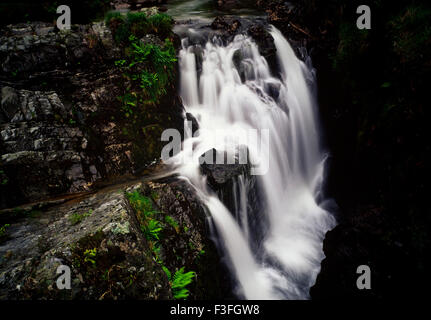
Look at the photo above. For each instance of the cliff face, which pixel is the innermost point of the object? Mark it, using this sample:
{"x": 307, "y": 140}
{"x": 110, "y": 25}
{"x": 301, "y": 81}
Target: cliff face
{"x": 63, "y": 128}
{"x": 74, "y": 118}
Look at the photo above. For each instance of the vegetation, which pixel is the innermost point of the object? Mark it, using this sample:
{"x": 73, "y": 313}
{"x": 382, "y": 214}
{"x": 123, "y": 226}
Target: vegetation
{"x": 152, "y": 228}
{"x": 3, "y": 230}
{"x": 90, "y": 256}
{"x": 151, "y": 68}
{"x": 138, "y": 24}
{"x": 148, "y": 68}
{"x": 179, "y": 282}
{"x": 174, "y": 224}
{"x": 148, "y": 65}
{"x": 76, "y": 218}
{"x": 143, "y": 207}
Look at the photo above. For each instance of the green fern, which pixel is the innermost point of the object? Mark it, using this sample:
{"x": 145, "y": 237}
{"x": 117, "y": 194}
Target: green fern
{"x": 179, "y": 282}
{"x": 173, "y": 223}
{"x": 152, "y": 229}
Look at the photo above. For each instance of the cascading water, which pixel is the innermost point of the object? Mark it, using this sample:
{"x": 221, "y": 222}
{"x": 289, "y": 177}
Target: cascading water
{"x": 235, "y": 90}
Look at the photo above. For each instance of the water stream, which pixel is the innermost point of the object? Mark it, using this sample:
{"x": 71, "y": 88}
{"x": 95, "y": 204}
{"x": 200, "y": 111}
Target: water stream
{"x": 231, "y": 90}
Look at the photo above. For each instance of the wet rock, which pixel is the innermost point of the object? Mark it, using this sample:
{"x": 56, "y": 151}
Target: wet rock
{"x": 230, "y": 25}
{"x": 41, "y": 150}
{"x": 99, "y": 238}
{"x": 228, "y": 4}
{"x": 185, "y": 243}
{"x": 104, "y": 252}
{"x": 152, "y": 39}
{"x": 265, "y": 42}
{"x": 136, "y": 4}
{"x": 62, "y": 126}
{"x": 214, "y": 164}
{"x": 193, "y": 121}
{"x": 228, "y": 181}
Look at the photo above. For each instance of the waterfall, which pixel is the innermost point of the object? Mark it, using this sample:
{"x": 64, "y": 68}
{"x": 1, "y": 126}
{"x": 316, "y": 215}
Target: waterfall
{"x": 234, "y": 90}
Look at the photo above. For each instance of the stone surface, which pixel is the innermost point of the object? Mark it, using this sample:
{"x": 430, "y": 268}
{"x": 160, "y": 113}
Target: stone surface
{"x": 221, "y": 173}
{"x": 124, "y": 264}
{"x": 62, "y": 127}
{"x": 37, "y": 245}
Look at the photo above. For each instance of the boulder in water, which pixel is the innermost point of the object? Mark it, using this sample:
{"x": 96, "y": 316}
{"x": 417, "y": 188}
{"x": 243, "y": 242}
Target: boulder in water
{"x": 230, "y": 25}
{"x": 219, "y": 174}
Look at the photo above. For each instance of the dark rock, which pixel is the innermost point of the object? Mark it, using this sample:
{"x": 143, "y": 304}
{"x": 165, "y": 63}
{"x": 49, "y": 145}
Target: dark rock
{"x": 145, "y": 3}
{"x": 230, "y": 25}
{"x": 123, "y": 264}
{"x": 194, "y": 122}
{"x": 226, "y": 180}
{"x": 190, "y": 239}
{"x": 9, "y": 102}
{"x": 220, "y": 173}
{"x": 265, "y": 42}
{"x": 228, "y": 4}
{"x": 62, "y": 126}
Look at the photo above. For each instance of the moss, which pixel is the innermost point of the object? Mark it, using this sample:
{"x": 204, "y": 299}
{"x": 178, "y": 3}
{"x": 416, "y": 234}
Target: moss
{"x": 173, "y": 223}
{"x": 76, "y": 218}
{"x": 121, "y": 228}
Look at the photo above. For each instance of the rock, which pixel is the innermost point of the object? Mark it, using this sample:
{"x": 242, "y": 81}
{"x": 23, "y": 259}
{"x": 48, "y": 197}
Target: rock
{"x": 62, "y": 126}
{"x": 39, "y": 245}
{"x": 145, "y": 3}
{"x": 220, "y": 173}
{"x": 228, "y": 4}
{"x": 230, "y": 25}
{"x": 151, "y": 39}
{"x": 99, "y": 238}
{"x": 190, "y": 240}
{"x": 225, "y": 180}
{"x": 364, "y": 239}
{"x": 9, "y": 102}
{"x": 265, "y": 42}
{"x": 194, "y": 122}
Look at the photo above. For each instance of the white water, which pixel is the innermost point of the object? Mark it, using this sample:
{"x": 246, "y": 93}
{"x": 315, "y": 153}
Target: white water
{"x": 286, "y": 261}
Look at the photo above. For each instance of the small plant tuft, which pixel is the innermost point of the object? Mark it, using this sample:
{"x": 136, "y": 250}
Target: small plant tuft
{"x": 76, "y": 218}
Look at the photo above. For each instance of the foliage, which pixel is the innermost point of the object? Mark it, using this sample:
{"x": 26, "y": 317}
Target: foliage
{"x": 90, "y": 256}
{"x": 141, "y": 204}
{"x": 151, "y": 67}
{"x": 3, "y": 230}
{"x": 172, "y": 222}
{"x": 152, "y": 229}
{"x": 112, "y": 16}
{"x": 76, "y": 218}
{"x": 143, "y": 207}
{"x": 179, "y": 282}
{"x": 138, "y": 24}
